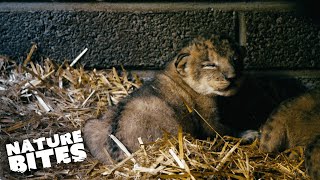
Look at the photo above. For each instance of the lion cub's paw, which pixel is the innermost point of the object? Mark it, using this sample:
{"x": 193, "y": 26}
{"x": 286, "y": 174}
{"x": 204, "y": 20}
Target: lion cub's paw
{"x": 249, "y": 136}
{"x": 273, "y": 137}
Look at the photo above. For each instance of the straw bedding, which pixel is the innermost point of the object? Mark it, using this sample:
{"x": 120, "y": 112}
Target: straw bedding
{"x": 39, "y": 100}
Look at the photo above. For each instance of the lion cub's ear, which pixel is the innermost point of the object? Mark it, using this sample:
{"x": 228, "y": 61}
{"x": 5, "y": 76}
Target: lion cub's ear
{"x": 180, "y": 63}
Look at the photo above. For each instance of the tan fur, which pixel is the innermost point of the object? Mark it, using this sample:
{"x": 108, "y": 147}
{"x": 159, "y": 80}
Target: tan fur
{"x": 296, "y": 123}
{"x": 199, "y": 73}
{"x": 312, "y": 158}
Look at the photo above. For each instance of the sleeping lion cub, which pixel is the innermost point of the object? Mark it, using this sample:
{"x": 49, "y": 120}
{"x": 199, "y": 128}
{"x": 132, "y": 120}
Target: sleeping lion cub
{"x": 201, "y": 71}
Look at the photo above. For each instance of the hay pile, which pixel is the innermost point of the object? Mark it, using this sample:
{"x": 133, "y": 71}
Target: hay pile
{"x": 42, "y": 100}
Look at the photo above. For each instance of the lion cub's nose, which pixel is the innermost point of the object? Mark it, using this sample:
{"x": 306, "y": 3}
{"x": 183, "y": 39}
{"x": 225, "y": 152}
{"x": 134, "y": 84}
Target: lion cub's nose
{"x": 230, "y": 75}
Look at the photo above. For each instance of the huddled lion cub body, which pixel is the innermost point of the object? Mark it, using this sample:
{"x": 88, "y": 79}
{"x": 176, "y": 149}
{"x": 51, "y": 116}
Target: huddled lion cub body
{"x": 204, "y": 69}
{"x": 296, "y": 123}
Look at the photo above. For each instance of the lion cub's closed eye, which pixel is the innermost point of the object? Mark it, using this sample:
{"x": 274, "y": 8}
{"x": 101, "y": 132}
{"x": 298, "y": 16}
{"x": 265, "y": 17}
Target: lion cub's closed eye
{"x": 209, "y": 65}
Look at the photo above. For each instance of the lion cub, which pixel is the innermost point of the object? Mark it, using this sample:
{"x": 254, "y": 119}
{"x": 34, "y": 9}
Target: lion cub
{"x": 296, "y": 123}
{"x": 201, "y": 71}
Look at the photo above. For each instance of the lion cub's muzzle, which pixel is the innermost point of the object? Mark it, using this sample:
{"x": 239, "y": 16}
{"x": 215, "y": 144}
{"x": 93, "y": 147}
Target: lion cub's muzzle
{"x": 230, "y": 86}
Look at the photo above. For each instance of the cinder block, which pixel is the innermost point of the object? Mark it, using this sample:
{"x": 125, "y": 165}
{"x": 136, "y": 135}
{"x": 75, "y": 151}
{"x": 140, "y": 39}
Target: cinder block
{"x": 281, "y": 40}
{"x": 310, "y": 83}
{"x": 130, "y": 38}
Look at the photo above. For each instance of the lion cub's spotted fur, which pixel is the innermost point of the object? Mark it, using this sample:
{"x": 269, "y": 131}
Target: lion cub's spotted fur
{"x": 296, "y": 123}
{"x": 204, "y": 69}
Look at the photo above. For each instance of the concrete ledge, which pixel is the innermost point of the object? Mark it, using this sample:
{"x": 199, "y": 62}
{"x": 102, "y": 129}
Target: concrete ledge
{"x": 147, "y": 7}
{"x": 309, "y": 74}
{"x": 302, "y": 79}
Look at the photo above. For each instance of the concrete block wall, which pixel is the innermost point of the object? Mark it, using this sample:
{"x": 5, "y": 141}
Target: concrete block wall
{"x": 145, "y": 36}
{"x": 281, "y": 40}
{"x": 134, "y": 35}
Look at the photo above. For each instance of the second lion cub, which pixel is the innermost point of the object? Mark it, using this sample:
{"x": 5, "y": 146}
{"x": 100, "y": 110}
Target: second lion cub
{"x": 201, "y": 71}
{"x": 296, "y": 123}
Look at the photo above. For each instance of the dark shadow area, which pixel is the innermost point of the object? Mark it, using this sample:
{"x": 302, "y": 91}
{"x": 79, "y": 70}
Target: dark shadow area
{"x": 308, "y": 8}
{"x": 256, "y": 100}
{"x": 132, "y": 1}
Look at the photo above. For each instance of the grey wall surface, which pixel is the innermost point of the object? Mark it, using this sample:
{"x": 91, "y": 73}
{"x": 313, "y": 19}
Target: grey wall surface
{"x": 147, "y": 35}
{"x": 131, "y": 38}
{"x": 282, "y": 40}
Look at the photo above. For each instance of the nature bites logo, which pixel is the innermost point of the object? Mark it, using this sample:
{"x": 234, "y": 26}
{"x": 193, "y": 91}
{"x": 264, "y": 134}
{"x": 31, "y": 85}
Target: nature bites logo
{"x": 64, "y": 148}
